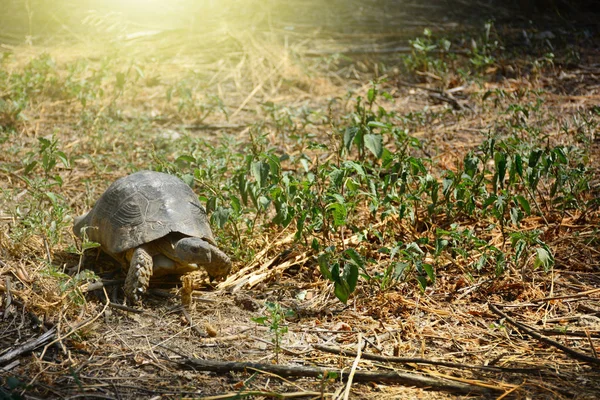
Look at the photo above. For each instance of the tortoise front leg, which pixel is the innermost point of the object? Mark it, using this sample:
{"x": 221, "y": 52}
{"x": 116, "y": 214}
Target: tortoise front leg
{"x": 138, "y": 276}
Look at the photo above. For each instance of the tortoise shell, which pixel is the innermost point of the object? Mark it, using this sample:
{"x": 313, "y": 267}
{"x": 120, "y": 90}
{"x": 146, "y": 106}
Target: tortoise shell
{"x": 143, "y": 207}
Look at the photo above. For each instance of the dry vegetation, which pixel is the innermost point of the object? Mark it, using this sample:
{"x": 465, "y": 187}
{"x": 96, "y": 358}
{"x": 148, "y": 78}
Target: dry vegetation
{"x": 446, "y": 162}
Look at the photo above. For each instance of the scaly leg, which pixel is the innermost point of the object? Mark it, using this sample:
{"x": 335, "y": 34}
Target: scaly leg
{"x": 138, "y": 276}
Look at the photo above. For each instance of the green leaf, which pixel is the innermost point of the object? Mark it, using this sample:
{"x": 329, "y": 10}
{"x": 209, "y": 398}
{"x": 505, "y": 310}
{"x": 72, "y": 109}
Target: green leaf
{"x": 323, "y": 261}
{"x": 220, "y": 216}
{"x": 89, "y": 245}
{"x": 471, "y": 163}
{"x": 305, "y": 164}
{"x": 430, "y": 272}
{"x": 260, "y": 172}
{"x": 422, "y": 282}
{"x": 260, "y": 320}
{"x": 188, "y": 179}
{"x": 349, "y": 135}
{"x": 378, "y": 124}
{"x": 351, "y": 275}
{"x": 139, "y": 71}
{"x": 336, "y": 177}
{"x": 355, "y": 166}
{"x": 339, "y": 213}
{"x": 342, "y": 291}
{"x": 519, "y": 246}
{"x": 371, "y": 94}
{"x": 52, "y": 197}
{"x": 29, "y": 167}
{"x": 534, "y": 157}
{"x": 263, "y": 202}
{"x": 523, "y": 203}
{"x": 185, "y": 158}
{"x": 236, "y": 203}
{"x": 63, "y": 159}
{"x": 500, "y": 163}
{"x": 543, "y": 259}
{"x": 399, "y": 269}
{"x": 335, "y": 272}
{"x": 274, "y": 164}
{"x": 355, "y": 257}
{"x": 515, "y": 215}
{"x": 375, "y": 144}
{"x": 44, "y": 144}
{"x": 519, "y": 164}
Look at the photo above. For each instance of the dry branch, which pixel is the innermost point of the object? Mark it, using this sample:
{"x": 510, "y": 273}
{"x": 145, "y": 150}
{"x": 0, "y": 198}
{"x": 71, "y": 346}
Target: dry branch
{"x": 409, "y": 360}
{"x": 532, "y": 332}
{"x": 398, "y": 378}
{"x": 265, "y": 394}
{"x": 28, "y": 346}
{"x": 568, "y": 296}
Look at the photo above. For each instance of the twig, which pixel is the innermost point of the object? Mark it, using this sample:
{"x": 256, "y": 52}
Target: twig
{"x": 556, "y": 332}
{"x": 28, "y": 346}
{"x": 354, "y": 366}
{"x": 125, "y": 308}
{"x": 568, "y": 296}
{"x": 589, "y": 337}
{"x": 194, "y": 326}
{"x": 264, "y": 394}
{"x": 406, "y": 360}
{"x": 532, "y": 332}
{"x": 395, "y": 377}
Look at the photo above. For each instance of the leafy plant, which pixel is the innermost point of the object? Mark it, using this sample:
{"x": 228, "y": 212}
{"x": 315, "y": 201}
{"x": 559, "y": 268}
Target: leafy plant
{"x": 11, "y": 388}
{"x": 342, "y": 271}
{"x": 428, "y": 54}
{"x": 276, "y": 322}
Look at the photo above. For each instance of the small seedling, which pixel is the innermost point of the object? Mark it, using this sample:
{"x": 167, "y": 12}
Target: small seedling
{"x": 276, "y": 322}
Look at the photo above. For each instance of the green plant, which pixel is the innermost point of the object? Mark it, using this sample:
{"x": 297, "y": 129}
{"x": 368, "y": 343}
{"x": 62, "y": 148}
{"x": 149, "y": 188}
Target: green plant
{"x": 428, "y": 54}
{"x": 342, "y": 271}
{"x": 482, "y": 50}
{"x": 11, "y": 388}
{"x": 528, "y": 244}
{"x": 44, "y": 211}
{"x": 188, "y": 103}
{"x": 48, "y": 155}
{"x": 276, "y": 322}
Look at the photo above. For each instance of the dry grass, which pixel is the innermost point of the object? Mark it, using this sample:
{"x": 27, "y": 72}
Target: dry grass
{"x": 254, "y": 59}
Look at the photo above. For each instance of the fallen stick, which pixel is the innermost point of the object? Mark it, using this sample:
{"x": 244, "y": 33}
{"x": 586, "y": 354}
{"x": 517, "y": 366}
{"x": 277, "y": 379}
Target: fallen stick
{"x": 567, "y": 296}
{"x": 532, "y": 332}
{"x": 401, "y": 378}
{"x": 354, "y": 366}
{"x": 266, "y": 394}
{"x": 408, "y": 360}
{"x": 28, "y": 346}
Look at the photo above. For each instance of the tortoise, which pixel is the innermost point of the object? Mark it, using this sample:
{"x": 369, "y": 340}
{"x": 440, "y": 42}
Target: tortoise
{"x": 153, "y": 224}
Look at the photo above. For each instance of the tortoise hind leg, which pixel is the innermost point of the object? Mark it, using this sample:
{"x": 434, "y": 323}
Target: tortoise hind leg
{"x": 138, "y": 275}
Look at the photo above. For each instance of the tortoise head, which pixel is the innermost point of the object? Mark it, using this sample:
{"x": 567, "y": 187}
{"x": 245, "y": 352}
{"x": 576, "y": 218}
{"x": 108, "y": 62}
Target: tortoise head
{"x": 193, "y": 250}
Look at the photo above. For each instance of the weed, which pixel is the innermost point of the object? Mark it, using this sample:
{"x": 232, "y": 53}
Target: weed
{"x": 276, "y": 322}
{"x": 482, "y": 50}
{"x": 428, "y": 55}
{"x": 11, "y": 388}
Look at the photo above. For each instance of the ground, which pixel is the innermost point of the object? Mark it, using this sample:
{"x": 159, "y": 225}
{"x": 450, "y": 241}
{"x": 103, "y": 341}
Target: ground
{"x": 408, "y": 192}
